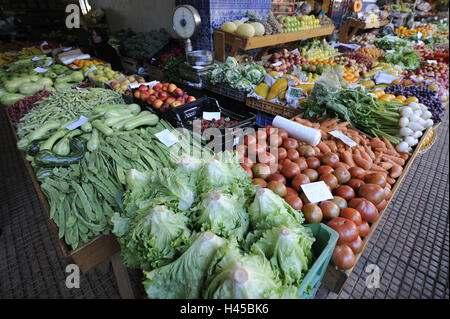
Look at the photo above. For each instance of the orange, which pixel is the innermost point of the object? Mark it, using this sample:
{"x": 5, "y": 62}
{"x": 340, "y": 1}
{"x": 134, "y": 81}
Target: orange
{"x": 412, "y": 99}
{"x": 401, "y": 98}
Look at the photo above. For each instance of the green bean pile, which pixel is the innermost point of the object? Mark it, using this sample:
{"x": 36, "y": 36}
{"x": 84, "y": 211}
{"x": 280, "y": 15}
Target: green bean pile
{"x": 66, "y": 105}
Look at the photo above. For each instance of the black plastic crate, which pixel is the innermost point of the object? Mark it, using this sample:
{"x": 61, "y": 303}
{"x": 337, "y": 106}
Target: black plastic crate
{"x": 225, "y": 90}
{"x": 180, "y": 116}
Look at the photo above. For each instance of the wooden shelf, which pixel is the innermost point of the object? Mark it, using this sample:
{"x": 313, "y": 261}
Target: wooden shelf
{"x": 222, "y": 38}
{"x": 349, "y": 29}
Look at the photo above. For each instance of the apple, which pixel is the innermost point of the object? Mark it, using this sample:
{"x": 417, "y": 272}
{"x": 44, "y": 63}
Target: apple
{"x": 144, "y": 96}
{"x": 165, "y": 107}
{"x": 170, "y": 100}
{"x": 176, "y": 103}
{"x": 151, "y": 91}
{"x": 191, "y": 99}
{"x": 163, "y": 95}
{"x": 137, "y": 94}
{"x": 165, "y": 86}
{"x": 172, "y": 88}
{"x": 178, "y": 93}
{"x": 157, "y": 87}
{"x": 127, "y": 92}
{"x": 157, "y": 104}
{"x": 143, "y": 88}
{"x": 151, "y": 99}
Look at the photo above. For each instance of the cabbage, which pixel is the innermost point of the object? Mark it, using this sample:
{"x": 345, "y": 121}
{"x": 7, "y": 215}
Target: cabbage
{"x": 184, "y": 277}
{"x": 232, "y": 76}
{"x": 289, "y": 252}
{"x": 243, "y": 84}
{"x": 191, "y": 166}
{"x": 222, "y": 214}
{"x": 253, "y": 72}
{"x": 270, "y": 210}
{"x": 237, "y": 276}
{"x": 216, "y": 75}
{"x": 231, "y": 63}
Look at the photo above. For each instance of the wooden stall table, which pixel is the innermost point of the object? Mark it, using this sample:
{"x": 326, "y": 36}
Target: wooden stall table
{"x": 349, "y": 29}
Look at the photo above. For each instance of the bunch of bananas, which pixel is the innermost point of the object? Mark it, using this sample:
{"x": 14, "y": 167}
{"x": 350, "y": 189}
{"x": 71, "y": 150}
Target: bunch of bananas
{"x": 7, "y": 57}
{"x": 30, "y": 51}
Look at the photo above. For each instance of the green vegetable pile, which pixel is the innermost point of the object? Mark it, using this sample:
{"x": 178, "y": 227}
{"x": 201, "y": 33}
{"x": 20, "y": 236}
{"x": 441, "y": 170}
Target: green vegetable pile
{"x": 171, "y": 68}
{"x": 231, "y": 74}
{"x": 144, "y": 45}
{"x": 390, "y": 42}
{"x": 361, "y": 110}
{"x": 407, "y": 58}
{"x": 204, "y": 230}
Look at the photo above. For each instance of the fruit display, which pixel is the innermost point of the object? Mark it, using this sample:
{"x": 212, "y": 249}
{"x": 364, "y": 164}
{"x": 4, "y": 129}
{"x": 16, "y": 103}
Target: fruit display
{"x": 426, "y": 30}
{"x": 79, "y": 64}
{"x": 101, "y": 74}
{"x": 120, "y": 85}
{"x": 288, "y": 60}
{"x": 162, "y": 96}
{"x": 372, "y": 52}
{"x": 365, "y": 38}
{"x": 317, "y": 50}
{"x": 298, "y": 23}
{"x": 257, "y": 26}
{"x": 383, "y": 96}
{"x": 351, "y": 74}
{"x": 223, "y": 122}
{"x": 355, "y": 61}
{"x": 313, "y": 70}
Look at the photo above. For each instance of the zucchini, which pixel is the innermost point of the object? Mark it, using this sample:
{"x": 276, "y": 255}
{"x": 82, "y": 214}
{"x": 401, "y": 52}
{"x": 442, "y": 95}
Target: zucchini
{"x": 135, "y": 108}
{"x": 62, "y": 147}
{"x": 42, "y": 173}
{"x": 94, "y": 141}
{"x": 86, "y": 127}
{"x": 113, "y": 120}
{"x": 48, "y": 144}
{"x": 47, "y": 158}
{"x": 117, "y": 113}
{"x": 146, "y": 119}
{"x": 40, "y": 132}
{"x": 99, "y": 125}
{"x": 74, "y": 133}
{"x": 33, "y": 149}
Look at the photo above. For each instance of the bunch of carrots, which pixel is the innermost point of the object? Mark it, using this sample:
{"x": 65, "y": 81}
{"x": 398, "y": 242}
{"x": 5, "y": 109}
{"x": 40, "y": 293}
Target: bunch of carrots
{"x": 374, "y": 155}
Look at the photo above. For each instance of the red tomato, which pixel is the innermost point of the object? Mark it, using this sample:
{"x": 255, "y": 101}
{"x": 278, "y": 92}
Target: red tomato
{"x": 364, "y": 229}
{"x": 261, "y": 136}
{"x": 294, "y": 201}
{"x": 289, "y": 170}
{"x": 330, "y": 180}
{"x": 292, "y": 154}
{"x": 275, "y": 140}
{"x": 299, "y": 180}
{"x": 282, "y": 153}
{"x": 249, "y": 140}
{"x": 260, "y": 182}
{"x": 301, "y": 162}
{"x": 346, "y": 229}
{"x": 329, "y": 209}
{"x": 313, "y": 162}
{"x": 330, "y": 159}
{"x": 345, "y": 192}
{"x": 357, "y": 172}
{"x": 343, "y": 257}
{"x": 366, "y": 208}
{"x": 291, "y": 191}
{"x": 355, "y": 184}
{"x": 276, "y": 177}
{"x": 325, "y": 169}
{"x": 352, "y": 214}
{"x": 356, "y": 245}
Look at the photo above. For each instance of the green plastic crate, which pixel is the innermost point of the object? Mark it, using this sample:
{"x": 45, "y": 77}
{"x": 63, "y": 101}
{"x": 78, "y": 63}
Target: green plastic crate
{"x": 323, "y": 247}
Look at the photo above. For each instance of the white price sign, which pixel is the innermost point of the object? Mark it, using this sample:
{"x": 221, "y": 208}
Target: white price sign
{"x": 77, "y": 124}
{"x": 40, "y": 70}
{"x": 317, "y": 192}
{"x": 48, "y": 63}
{"x": 167, "y": 138}
{"x": 344, "y": 138}
{"x": 36, "y": 58}
{"x": 209, "y": 116}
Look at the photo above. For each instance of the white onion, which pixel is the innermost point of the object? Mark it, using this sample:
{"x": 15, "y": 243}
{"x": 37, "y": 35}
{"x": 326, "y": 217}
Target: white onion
{"x": 405, "y": 131}
{"x": 429, "y": 123}
{"x": 417, "y": 134}
{"x": 414, "y": 118}
{"x": 414, "y": 106}
{"x": 403, "y": 122}
{"x": 410, "y": 140}
{"x": 427, "y": 115}
{"x": 418, "y": 113}
{"x": 402, "y": 147}
{"x": 406, "y": 111}
{"x": 415, "y": 126}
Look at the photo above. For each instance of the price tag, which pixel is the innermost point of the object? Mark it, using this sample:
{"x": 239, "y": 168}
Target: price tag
{"x": 419, "y": 35}
{"x": 67, "y": 49}
{"x": 77, "y": 124}
{"x": 277, "y": 63}
{"x": 40, "y": 70}
{"x": 209, "y": 116}
{"x": 432, "y": 61}
{"x": 133, "y": 85}
{"x": 167, "y": 138}
{"x": 317, "y": 192}
{"x": 48, "y": 63}
{"x": 92, "y": 68}
{"x": 344, "y": 138}
{"x": 61, "y": 75}
{"x": 36, "y": 58}
{"x": 269, "y": 80}
{"x": 44, "y": 43}
{"x": 295, "y": 50}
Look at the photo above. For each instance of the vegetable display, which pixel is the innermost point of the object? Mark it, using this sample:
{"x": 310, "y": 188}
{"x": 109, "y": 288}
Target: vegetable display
{"x": 144, "y": 45}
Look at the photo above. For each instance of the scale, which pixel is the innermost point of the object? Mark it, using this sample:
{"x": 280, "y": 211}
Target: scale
{"x": 186, "y": 21}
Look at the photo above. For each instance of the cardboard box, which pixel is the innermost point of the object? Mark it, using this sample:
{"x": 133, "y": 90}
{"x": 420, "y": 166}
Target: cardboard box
{"x": 74, "y": 53}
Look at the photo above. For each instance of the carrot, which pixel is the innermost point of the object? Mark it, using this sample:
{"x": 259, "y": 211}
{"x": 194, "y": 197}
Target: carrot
{"x": 376, "y": 167}
{"x": 404, "y": 156}
{"x": 377, "y": 143}
{"x": 386, "y": 151}
{"x": 369, "y": 151}
{"x": 343, "y": 124}
{"x": 347, "y": 158}
{"x": 342, "y": 164}
{"x": 302, "y": 121}
{"x": 389, "y": 146}
{"x": 361, "y": 162}
{"x": 396, "y": 171}
{"x": 315, "y": 125}
{"x": 396, "y": 160}
{"x": 363, "y": 153}
{"x": 328, "y": 123}
{"x": 390, "y": 180}
{"x": 385, "y": 174}
{"x": 378, "y": 156}
{"x": 386, "y": 165}
{"x": 331, "y": 144}
{"x": 323, "y": 147}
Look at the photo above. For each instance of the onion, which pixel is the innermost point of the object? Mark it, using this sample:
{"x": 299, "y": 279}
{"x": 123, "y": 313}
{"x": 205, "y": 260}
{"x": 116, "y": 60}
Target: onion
{"x": 405, "y": 131}
{"x": 417, "y": 134}
{"x": 403, "y": 122}
{"x": 402, "y": 147}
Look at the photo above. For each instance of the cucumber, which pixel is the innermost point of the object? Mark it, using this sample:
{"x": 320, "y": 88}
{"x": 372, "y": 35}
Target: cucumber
{"x": 40, "y": 132}
{"x": 99, "y": 125}
{"x": 62, "y": 147}
{"x": 42, "y": 173}
{"x": 74, "y": 133}
{"x": 86, "y": 127}
{"x": 94, "y": 141}
{"x": 113, "y": 120}
{"x": 146, "y": 119}
{"x": 48, "y": 144}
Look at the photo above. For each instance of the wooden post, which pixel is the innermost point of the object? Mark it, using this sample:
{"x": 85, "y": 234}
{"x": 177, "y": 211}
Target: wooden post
{"x": 219, "y": 45}
{"x": 235, "y": 47}
{"x": 122, "y": 277}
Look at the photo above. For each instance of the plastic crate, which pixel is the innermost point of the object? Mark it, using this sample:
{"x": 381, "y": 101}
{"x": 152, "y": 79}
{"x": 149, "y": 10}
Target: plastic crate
{"x": 272, "y": 108}
{"x": 323, "y": 247}
{"x": 180, "y": 116}
{"x": 263, "y": 119}
{"x": 225, "y": 90}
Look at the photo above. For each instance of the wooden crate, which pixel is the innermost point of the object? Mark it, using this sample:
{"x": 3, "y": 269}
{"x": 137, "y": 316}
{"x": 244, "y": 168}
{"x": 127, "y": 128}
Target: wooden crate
{"x": 335, "y": 278}
{"x": 272, "y": 108}
{"x": 86, "y": 256}
{"x": 155, "y": 73}
{"x": 222, "y": 38}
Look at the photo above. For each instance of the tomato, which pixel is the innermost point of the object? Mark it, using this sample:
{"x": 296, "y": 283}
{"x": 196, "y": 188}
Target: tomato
{"x": 355, "y": 184}
{"x": 261, "y": 136}
{"x": 313, "y": 162}
{"x": 357, "y": 172}
{"x": 330, "y": 180}
{"x": 282, "y": 133}
{"x": 267, "y": 158}
{"x": 387, "y": 192}
{"x": 330, "y": 159}
{"x": 345, "y": 192}
{"x": 375, "y": 178}
{"x": 329, "y": 209}
{"x": 299, "y": 180}
{"x": 346, "y": 229}
{"x": 290, "y": 191}
{"x": 261, "y": 170}
{"x": 381, "y": 205}
{"x": 325, "y": 169}
{"x": 270, "y": 130}
{"x": 342, "y": 174}
{"x": 290, "y": 170}
{"x": 364, "y": 229}
{"x": 292, "y": 154}
{"x": 249, "y": 172}
{"x": 304, "y": 199}
{"x": 306, "y": 151}
{"x": 338, "y": 200}
{"x": 289, "y": 143}
{"x": 312, "y": 174}
{"x": 260, "y": 182}
{"x": 372, "y": 192}
{"x": 313, "y": 213}
{"x": 282, "y": 153}
{"x": 249, "y": 140}
{"x": 366, "y": 208}
{"x": 343, "y": 257}
{"x": 246, "y": 162}
{"x": 275, "y": 140}
{"x": 352, "y": 214}
{"x": 294, "y": 201}
{"x": 277, "y": 187}
{"x": 285, "y": 161}
{"x": 301, "y": 162}
{"x": 276, "y": 177}
{"x": 356, "y": 245}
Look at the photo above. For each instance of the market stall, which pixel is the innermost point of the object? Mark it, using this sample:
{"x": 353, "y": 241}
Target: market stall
{"x": 128, "y": 170}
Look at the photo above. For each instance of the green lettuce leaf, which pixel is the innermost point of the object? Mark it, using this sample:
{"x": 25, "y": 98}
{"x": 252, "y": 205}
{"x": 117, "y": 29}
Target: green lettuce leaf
{"x": 254, "y": 72}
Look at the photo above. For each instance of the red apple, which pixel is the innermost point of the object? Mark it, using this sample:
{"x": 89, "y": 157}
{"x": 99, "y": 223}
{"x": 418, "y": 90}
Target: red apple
{"x": 163, "y": 95}
{"x": 165, "y": 107}
{"x": 190, "y": 99}
{"x": 170, "y": 100}
{"x": 143, "y": 88}
{"x": 165, "y": 86}
{"x": 176, "y": 103}
{"x": 172, "y": 88}
{"x": 137, "y": 94}
{"x": 157, "y": 104}
{"x": 151, "y": 99}
{"x": 178, "y": 93}
{"x": 151, "y": 91}
{"x": 157, "y": 87}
